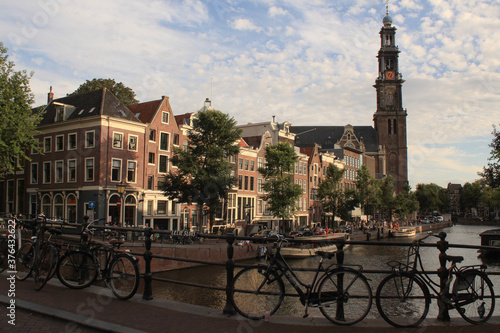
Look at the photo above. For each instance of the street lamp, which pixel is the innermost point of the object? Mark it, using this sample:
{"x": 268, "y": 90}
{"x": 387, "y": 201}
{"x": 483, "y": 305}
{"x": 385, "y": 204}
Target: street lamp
{"x": 120, "y": 188}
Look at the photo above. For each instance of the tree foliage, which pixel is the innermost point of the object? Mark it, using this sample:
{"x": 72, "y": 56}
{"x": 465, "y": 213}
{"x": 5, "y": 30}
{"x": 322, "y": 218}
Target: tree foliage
{"x": 491, "y": 173}
{"x": 282, "y": 193}
{"x": 432, "y": 197}
{"x": 204, "y": 172}
{"x": 329, "y": 191}
{"x": 18, "y": 122}
{"x": 366, "y": 189}
{"x": 125, "y": 94}
{"x": 406, "y": 202}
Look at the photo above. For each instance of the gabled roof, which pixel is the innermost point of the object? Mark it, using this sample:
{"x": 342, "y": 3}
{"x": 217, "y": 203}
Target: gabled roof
{"x": 327, "y": 136}
{"x": 254, "y": 141}
{"x": 95, "y": 103}
{"x": 145, "y": 111}
{"x": 180, "y": 118}
{"x": 242, "y": 143}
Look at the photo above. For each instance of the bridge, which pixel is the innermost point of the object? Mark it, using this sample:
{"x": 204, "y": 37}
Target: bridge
{"x": 58, "y": 309}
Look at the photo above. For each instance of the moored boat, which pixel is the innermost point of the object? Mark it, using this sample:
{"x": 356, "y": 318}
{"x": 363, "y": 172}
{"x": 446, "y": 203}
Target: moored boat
{"x": 404, "y": 232}
{"x": 310, "y": 245}
{"x": 490, "y": 238}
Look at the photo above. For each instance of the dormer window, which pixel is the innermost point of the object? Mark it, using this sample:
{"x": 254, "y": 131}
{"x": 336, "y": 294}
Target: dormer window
{"x": 59, "y": 113}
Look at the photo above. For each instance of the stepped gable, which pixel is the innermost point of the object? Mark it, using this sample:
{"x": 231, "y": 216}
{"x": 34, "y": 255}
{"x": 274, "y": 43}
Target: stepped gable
{"x": 95, "y": 103}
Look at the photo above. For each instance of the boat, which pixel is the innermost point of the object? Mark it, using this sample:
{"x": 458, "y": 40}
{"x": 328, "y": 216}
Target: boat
{"x": 404, "y": 232}
{"x": 307, "y": 246}
{"x": 490, "y": 238}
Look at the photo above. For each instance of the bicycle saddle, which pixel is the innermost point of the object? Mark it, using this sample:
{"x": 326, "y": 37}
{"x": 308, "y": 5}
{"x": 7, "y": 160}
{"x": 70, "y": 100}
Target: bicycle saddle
{"x": 326, "y": 255}
{"x": 115, "y": 241}
{"x": 454, "y": 259}
{"x": 54, "y": 231}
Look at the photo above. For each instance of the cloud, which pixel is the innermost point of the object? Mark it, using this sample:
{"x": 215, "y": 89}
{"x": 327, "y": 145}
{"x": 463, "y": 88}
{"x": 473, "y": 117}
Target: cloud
{"x": 245, "y": 24}
{"x": 277, "y": 11}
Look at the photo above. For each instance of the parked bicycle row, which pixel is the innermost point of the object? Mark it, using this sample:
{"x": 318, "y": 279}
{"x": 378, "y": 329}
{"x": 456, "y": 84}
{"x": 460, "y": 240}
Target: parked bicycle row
{"x": 77, "y": 265}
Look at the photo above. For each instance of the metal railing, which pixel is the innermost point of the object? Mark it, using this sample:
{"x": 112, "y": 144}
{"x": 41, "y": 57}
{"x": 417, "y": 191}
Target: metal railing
{"x": 230, "y": 239}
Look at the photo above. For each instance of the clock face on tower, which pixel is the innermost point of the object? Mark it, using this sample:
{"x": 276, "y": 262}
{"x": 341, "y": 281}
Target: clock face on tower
{"x": 390, "y": 75}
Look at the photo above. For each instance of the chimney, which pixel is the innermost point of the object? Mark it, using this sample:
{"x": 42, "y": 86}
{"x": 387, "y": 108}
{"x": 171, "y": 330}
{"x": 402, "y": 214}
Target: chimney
{"x": 50, "y": 96}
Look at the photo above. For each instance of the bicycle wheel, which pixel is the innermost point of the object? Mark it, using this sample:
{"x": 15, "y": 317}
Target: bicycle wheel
{"x": 123, "y": 277}
{"x": 254, "y": 293}
{"x": 44, "y": 267}
{"x": 473, "y": 296}
{"x": 345, "y": 297}
{"x": 25, "y": 258}
{"x": 77, "y": 270}
{"x": 402, "y": 300}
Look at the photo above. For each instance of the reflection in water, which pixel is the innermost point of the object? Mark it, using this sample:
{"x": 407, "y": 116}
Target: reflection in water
{"x": 370, "y": 257}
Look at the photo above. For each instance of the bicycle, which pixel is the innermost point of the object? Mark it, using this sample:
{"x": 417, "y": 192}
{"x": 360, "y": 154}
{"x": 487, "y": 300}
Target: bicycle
{"x": 341, "y": 293}
{"x": 26, "y": 255}
{"x": 403, "y": 297}
{"x": 79, "y": 269}
{"x": 45, "y": 265}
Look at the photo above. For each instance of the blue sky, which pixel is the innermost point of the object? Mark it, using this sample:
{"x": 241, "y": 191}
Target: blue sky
{"x": 310, "y": 62}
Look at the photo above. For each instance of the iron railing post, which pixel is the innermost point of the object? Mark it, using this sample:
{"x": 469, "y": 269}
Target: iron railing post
{"x": 229, "y": 308}
{"x": 442, "y": 246}
{"x": 148, "y": 277}
{"x": 340, "y": 243}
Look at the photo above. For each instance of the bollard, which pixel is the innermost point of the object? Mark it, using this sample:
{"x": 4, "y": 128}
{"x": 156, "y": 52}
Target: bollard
{"x": 229, "y": 308}
{"x": 340, "y": 243}
{"x": 148, "y": 277}
{"x": 442, "y": 246}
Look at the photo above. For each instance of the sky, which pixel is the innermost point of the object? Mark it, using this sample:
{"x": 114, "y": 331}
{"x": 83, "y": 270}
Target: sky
{"x": 309, "y": 62}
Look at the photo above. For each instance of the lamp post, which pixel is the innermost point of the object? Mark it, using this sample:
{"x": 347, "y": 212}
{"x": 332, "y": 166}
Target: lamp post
{"x": 120, "y": 188}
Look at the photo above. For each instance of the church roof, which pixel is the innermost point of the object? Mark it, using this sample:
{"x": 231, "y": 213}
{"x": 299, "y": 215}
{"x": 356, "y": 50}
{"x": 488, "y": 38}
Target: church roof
{"x": 327, "y": 136}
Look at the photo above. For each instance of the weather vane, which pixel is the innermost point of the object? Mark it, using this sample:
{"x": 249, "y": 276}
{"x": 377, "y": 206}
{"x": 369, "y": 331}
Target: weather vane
{"x": 387, "y": 7}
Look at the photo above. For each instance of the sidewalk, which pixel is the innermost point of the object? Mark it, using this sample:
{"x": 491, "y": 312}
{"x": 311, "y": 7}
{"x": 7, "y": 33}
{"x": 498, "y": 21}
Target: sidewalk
{"x": 62, "y": 309}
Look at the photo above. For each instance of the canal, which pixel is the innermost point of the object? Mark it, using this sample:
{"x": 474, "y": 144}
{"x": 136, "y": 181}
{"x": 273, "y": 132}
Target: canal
{"x": 370, "y": 257}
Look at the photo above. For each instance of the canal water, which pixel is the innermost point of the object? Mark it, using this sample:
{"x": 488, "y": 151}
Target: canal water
{"x": 370, "y": 257}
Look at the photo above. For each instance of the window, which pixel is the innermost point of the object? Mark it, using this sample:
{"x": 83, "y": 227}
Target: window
{"x": 151, "y": 159}
{"x": 164, "y": 117}
{"x": 163, "y": 164}
{"x": 151, "y": 180}
{"x": 173, "y": 209}
{"x": 161, "y": 207}
{"x": 185, "y": 145}
{"x": 296, "y": 168}
{"x": 71, "y": 170}
{"x": 251, "y": 183}
{"x": 176, "y": 139}
{"x": 90, "y": 139}
{"x": 149, "y": 209}
{"x": 59, "y": 172}
{"x": 260, "y": 185}
{"x": 72, "y": 141}
{"x": 395, "y": 127}
{"x": 117, "y": 140}
{"x": 132, "y": 142}
{"x": 60, "y": 143}
{"x": 58, "y": 206}
{"x": 34, "y": 173}
{"x": 47, "y": 144}
{"x": 89, "y": 169}
{"x": 260, "y": 162}
{"x": 131, "y": 171}
{"x": 116, "y": 170}
{"x": 240, "y": 182}
{"x": 164, "y": 139}
{"x": 152, "y": 135}
{"x": 240, "y": 164}
{"x": 60, "y": 113}
{"x": 46, "y": 172}
{"x": 246, "y": 164}
{"x": 246, "y": 183}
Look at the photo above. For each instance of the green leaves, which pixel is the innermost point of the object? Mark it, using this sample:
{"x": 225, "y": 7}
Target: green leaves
{"x": 125, "y": 94}
{"x": 18, "y": 122}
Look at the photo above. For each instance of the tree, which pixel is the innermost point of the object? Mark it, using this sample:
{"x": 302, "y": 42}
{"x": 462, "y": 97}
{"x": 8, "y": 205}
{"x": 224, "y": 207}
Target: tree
{"x": 282, "y": 193}
{"x": 432, "y": 197}
{"x": 204, "y": 172}
{"x": 18, "y": 122}
{"x": 329, "y": 191}
{"x": 406, "y": 202}
{"x": 125, "y": 94}
{"x": 470, "y": 197}
{"x": 365, "y": 189}
{"x": 386, "y": 196}
{"x": 491, "y": 173}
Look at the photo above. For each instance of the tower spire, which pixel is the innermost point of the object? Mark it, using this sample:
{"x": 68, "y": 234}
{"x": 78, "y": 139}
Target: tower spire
{"x": 387, "y": 7}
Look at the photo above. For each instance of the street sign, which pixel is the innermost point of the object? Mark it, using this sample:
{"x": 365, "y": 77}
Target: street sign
{"x": 118, "y": 203}
{"x": 91, "y": 204}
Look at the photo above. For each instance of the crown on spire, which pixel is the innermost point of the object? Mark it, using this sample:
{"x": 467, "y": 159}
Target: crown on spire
{"x": 387, "y": 19}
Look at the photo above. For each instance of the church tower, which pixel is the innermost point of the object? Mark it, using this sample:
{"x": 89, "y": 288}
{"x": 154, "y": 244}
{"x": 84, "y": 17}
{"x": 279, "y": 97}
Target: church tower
{"x": 390, "y": 117}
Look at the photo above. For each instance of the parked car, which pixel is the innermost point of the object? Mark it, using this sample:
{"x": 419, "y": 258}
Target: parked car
{"x": 438, "y": 219}
{"x": 425, "y": 220}
{"x": 303, "y": 231}
{"x": 266, "y": 233}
